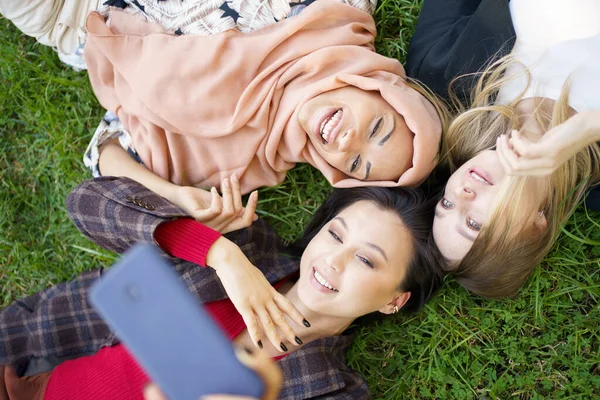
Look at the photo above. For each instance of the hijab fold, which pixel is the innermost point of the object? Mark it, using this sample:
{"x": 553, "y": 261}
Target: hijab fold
{"x": 200, "y": 108}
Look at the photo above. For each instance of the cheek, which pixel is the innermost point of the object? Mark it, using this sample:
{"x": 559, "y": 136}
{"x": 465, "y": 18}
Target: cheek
{"x": 367, "y": 293}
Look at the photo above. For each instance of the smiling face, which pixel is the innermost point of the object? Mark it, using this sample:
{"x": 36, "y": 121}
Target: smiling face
{"x": 468, "y": 201}
{"x": 358, "y": 133}
{"x": 355, "y": 263}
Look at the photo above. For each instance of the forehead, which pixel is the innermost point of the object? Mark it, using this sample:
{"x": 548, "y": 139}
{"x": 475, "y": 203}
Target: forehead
{"x": 370, "y": 224}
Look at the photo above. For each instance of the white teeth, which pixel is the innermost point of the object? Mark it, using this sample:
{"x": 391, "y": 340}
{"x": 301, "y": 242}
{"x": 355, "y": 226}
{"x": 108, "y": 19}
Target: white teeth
{"x": 328, "y": 125}
{"x": 323, "y": 282}
{"x": 478, "y": 177}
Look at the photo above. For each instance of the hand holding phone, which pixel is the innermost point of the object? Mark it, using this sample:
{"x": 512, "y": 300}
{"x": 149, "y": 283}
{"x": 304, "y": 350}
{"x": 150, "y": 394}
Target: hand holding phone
{"x": 166, "y": 329}
{"x": 261, "y": 364}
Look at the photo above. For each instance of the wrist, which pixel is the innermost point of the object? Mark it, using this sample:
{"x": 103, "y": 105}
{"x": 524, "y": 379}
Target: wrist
{"x": 220, "y": 253}
{"x": 587, "y": 126}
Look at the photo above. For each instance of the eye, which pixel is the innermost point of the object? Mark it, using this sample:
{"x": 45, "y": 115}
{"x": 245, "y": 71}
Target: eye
{"x": 447, "y": 204}
{"x": 365, "y": 261}
{"x": 355, "y": 164}
{"x": 377, "y": 126}
{"x": 473, "y": 225}
{"x": 336, "y": 237}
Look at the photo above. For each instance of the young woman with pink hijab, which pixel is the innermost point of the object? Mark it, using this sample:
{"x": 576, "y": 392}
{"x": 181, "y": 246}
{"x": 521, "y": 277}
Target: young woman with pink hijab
{"x": 307, "y": 89}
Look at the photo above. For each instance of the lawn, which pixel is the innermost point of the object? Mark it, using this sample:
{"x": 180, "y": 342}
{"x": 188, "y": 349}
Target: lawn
{"x": 545, "y": 343}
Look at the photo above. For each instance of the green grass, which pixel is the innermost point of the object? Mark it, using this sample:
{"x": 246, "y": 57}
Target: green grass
{"x": 542, "y": 344}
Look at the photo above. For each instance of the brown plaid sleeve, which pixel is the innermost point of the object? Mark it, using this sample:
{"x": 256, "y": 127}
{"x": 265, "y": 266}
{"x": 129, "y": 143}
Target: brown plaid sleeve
{"x": 57, "y": 322}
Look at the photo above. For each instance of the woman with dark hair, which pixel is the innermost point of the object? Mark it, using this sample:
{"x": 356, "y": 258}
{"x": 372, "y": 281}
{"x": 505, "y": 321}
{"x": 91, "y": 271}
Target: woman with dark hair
{"x": 367, "y": 250}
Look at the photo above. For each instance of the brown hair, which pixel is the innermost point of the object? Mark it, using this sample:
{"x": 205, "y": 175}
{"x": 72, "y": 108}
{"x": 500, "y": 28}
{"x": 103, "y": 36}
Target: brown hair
{"x": 507, "y": 249}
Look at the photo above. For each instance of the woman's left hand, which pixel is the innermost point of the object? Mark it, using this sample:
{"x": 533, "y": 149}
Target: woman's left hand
{"x": 520, "y": 156}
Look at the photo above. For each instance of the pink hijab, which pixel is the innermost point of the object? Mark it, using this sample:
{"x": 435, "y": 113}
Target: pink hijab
{"x": 199, "y": 108}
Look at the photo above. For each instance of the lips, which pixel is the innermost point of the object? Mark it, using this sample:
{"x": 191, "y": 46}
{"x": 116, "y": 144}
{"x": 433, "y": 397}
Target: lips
{"x": 321, "y": 283}
{"x": 328, "y": 125}
{"x": 480, "y": 175}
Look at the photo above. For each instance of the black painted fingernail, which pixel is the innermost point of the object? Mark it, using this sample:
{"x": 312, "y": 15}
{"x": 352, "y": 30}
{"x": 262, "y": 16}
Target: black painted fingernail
{"x": 249, "y": 351}
{"x": 283, "y": 347}
{"x": 297, "y": 339}
{"x": 306, "y": 323}
{"x": 260, "y": 346}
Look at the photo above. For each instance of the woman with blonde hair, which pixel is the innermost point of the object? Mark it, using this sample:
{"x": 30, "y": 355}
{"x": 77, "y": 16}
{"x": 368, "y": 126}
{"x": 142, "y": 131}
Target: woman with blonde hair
{"x": 524, "y": 152}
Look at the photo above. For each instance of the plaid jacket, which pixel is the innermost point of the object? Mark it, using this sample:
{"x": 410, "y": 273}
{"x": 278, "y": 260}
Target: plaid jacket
{"x": 113, "y": 212}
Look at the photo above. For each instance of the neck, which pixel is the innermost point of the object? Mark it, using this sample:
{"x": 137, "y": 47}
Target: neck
{"x": 321, "y": 325}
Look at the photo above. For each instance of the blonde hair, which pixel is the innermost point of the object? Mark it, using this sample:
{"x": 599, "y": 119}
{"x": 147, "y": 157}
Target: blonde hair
{"x": 440, "y": 105}
{"x": 507, "y": 249}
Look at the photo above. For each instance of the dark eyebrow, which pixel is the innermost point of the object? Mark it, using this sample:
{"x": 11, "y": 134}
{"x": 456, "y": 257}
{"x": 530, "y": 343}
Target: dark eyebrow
{"x": 368, "y": 170}
{"x": 386, "y": 137}
{"x": 371, "y": 245}
{"x": 379, "y": 249}
{"x": 341, "y": 221}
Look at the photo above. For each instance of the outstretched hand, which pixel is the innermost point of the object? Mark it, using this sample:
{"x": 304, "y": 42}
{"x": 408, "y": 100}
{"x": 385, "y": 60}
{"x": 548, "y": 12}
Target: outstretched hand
{"x": 224, "y": 214}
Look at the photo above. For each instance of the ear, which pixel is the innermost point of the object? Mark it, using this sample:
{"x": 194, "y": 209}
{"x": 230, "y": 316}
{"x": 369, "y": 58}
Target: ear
{"x": 399, "y": 301}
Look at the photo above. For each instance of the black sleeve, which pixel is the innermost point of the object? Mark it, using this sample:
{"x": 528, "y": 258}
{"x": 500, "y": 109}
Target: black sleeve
{"x": 455, "y": 37}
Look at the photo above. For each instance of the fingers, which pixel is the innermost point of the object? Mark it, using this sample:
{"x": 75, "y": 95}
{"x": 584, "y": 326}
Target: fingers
{"x": 521, "y": 166}
{"x": 269, "y": 328}
{"x": 238, "y": 208}
{"x": 288, "y": 308}
{"x": 252, "y": 327}
{"x": 249, "y": 214}
{"x": 279, "y": 320}
{"x": 211, "y": 212}
{"x": 227, "y": 192}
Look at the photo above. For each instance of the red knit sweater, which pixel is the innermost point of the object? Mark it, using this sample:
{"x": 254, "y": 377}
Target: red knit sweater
{"x": 112, "y": 373}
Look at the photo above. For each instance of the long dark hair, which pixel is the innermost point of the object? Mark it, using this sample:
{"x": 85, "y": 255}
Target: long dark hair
{"x": 424, "y": 274}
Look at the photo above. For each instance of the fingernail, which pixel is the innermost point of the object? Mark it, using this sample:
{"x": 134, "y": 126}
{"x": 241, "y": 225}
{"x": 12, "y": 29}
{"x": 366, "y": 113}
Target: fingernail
{"x": 260, "y": 346}
{"x": 306, "y": 323}
{"x": 226, "y": 182}
{"x": 297, "y": 339}
{"x": 283, "y": 347}
{"x": 234, "y": 178}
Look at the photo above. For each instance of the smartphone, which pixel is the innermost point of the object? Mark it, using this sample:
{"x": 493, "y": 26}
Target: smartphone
{"x": 166, "y": 329}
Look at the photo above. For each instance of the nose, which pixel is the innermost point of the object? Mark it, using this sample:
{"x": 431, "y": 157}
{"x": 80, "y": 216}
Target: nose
{"x": 349, "y": 140}
{"x": 335, "y": 261}
{"x": 465, "y": 192}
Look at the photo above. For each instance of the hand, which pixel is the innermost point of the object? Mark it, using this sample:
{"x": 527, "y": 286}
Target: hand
{"x": 221, "y": 214}
{"x": 253, "y": 296}
{"x": 262, "y": 365}
{"x": 521, "y": 157}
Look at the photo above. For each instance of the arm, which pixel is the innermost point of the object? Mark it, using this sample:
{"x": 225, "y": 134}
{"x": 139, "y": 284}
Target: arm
{"x": 114, "y": 161}
{"x": 456, "y": 37}
{"x": 56, "y": 323}
{"x": 101, "y": 211}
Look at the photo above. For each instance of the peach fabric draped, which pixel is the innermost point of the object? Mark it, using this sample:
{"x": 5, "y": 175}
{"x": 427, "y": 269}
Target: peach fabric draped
{"x": 202, "y": 107}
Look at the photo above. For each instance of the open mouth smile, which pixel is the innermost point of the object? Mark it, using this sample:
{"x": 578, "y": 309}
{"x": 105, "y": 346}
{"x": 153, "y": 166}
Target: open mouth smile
{"x": 329, "y": 124}
{"x": 323, "y": 282}
{"x": 480, "y": 176}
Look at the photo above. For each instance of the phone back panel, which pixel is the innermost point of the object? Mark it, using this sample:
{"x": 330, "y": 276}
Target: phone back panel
{"x": 166, "y": 329}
